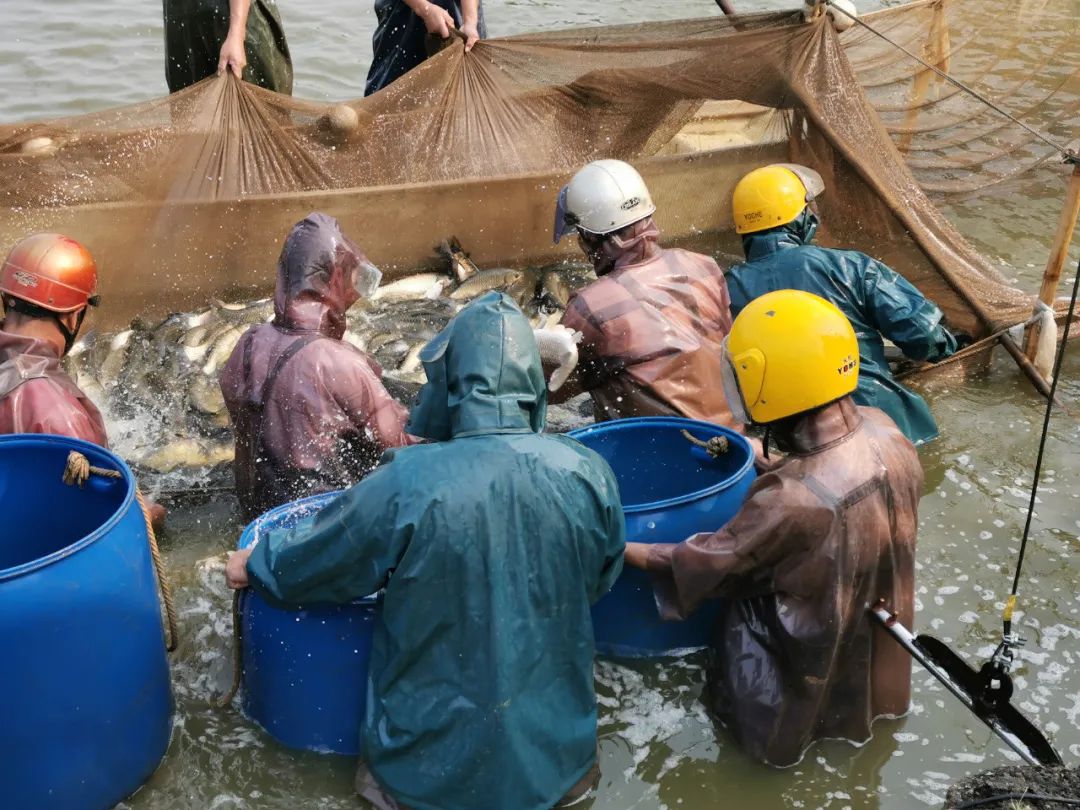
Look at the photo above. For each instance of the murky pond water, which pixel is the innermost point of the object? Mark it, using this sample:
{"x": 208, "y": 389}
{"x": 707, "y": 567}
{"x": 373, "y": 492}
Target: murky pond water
{"x": 658, "y": 747}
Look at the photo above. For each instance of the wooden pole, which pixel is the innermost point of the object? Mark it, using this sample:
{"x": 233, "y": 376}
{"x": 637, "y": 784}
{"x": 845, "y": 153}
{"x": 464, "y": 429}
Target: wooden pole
{"x": 1059, "y": 252}
{"x": 1026, "y": 366}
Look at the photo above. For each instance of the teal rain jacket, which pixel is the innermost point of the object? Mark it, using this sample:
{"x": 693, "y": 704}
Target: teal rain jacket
{"x": 878, "y": 302}
{"x": 491, "y": 543}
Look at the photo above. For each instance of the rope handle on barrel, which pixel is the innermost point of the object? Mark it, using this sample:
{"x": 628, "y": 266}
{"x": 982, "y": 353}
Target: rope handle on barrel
{"x": 715, "y": 446}
{"x": 76, "y": 473}
{"x": 225, "y": 699}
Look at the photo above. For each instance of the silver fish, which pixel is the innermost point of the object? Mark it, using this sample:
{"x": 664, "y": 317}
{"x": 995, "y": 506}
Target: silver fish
{"x": 487, "y": 280}
{"x": 418, "y": 286}
{"x": 460, "y": 264}
{"x": 187, "y": 453}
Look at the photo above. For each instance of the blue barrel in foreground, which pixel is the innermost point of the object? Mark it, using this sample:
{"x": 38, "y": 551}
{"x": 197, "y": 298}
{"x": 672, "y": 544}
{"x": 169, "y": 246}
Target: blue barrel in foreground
{"x": 305, "y": 670}
{"x": 85, "y": 681}
{"x": 670, "y": 489}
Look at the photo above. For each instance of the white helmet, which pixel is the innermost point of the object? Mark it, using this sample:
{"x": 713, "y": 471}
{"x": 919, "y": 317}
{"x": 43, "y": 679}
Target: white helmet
{"x": 604, "y": 196}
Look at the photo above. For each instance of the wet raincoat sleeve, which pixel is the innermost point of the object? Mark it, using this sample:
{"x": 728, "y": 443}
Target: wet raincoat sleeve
{"x": 903, "y": 315}
{"x": 371, "y": 407}
{"x": 778, "y": 520}
{"x": 614, "y": 534}
{"x": 341, "y": 554}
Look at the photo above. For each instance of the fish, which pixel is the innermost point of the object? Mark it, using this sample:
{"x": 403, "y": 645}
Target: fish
{"x": 556, "y": 286}
{"x": 417, "y": 286}
{"x": 221, "y": 349}
{"x": 204, "y": 395}
{"x": 412, "y": 360}
{"x": 461, "y": 265}
{"x": 487, "y": 280}
{"x": 187, "y": 452}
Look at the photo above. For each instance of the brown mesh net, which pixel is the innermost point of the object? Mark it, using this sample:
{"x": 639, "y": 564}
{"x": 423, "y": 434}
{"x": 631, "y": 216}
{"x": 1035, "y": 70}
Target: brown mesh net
{"x": 189, "y": 196}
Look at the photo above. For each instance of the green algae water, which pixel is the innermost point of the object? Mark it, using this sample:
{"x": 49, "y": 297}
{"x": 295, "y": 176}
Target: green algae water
{"x": 658, "y": 747}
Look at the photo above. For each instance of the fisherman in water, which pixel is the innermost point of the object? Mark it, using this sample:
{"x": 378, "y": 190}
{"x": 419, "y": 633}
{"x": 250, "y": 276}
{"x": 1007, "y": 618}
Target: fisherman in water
{"x": 775, "y": 211}
{"x": 652, "y": 325}
{"x": 491, "y": 542}
{"x": 309, "y": 410}
{"x": 411, "y": 30}
{"x": 204, "y": 37}
{"x": 47, "y": 283}
{"x": 829, "y": 530}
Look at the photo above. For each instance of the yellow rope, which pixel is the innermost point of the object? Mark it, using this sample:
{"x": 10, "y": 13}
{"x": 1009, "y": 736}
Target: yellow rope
{"x": 76, "y": 473}
{"x": 715, "y": 446}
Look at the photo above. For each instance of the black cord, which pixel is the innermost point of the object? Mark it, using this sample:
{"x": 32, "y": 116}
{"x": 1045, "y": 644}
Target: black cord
{"x": 1045, "y": 428}
{"x": 1002, "y": 797}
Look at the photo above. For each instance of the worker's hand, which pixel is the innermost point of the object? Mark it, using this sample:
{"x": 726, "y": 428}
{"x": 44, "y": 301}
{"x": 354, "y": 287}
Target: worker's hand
{"x": 233, "y": 56}
{"x": 558, "y": 347}
{"x": 472, "y": 35}
{"x": 437, "y": 20}
{"x": 236, "y": 575}
{"x": 157, "y": 515}
{"x": 636, "y": 555}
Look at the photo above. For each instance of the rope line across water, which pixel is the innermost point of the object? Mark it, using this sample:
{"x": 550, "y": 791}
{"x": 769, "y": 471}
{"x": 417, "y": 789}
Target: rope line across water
{"x": 76, "y": 473}
{"x": 1064, "y": 150}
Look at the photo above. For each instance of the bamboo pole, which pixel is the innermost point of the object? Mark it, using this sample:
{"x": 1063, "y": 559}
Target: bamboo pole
{"x": 1059, "y": 252}
{"x": 1026, "y": 366}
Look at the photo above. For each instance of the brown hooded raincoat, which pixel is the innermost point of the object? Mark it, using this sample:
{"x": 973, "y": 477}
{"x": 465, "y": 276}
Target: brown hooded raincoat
{"x": 37, "y": 395}
{"x": 309, "y": 410}
{"x": 651, "y": 329}
{"x": 819, "y": 539}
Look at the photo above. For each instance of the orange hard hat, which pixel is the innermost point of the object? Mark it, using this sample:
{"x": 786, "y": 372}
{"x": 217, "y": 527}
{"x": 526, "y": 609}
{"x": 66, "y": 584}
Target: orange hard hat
{"x": 51, "y": 271}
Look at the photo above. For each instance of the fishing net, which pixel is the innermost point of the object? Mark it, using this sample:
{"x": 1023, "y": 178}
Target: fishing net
{"x": 189, "y": 196}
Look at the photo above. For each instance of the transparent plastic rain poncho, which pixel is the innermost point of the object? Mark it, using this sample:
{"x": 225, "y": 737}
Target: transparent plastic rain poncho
{"x": 38, "y": 396}
{"x": 309, "y": 410}
{"x": 826, "y": 532}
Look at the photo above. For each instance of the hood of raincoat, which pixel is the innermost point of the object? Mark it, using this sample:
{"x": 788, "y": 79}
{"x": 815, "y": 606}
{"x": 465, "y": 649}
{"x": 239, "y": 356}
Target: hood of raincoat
{"x": 483, "y": 375}
{"x": 638, "y": 242}
{"x": 315, "y": 277}
{"x": 798, "y": 232}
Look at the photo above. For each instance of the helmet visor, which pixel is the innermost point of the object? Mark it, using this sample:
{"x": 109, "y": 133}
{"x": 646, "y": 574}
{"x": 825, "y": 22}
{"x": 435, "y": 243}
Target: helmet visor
{"x": 810, "y": 179}
{"x": 565, "y": 222}
{"x": 732, "y": 392}
{"x": 366, "y": 278}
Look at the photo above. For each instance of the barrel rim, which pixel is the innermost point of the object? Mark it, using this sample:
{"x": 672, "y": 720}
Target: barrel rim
{"x": 250, "y": 533}
{"x": 732, "y": 480}
{"x": 90, "y": 450}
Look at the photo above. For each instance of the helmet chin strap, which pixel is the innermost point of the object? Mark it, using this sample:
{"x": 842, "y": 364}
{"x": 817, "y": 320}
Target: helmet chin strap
{"x": 806, "y": 225}
{"x": 70, "y": 335}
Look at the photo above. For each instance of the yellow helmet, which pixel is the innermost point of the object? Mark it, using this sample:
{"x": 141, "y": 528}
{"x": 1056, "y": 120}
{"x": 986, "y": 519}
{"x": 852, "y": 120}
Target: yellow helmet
{"x": 788, "y": 351}
{"x": 773, "y": 195}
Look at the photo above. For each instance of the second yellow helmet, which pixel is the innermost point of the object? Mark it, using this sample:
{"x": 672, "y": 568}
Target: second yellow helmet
{"x": 788, "y": 352}
{"x": 773, "y": 195}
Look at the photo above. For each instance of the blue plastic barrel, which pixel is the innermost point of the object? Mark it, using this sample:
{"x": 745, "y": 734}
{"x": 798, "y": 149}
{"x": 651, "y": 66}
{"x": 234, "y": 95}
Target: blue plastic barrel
{"x": 87, "y": 703}
{"x": 670, "y": 489}
{"x": 305, "y": 670}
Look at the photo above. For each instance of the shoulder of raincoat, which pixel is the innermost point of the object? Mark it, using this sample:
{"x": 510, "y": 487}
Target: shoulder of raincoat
{"x": 310, "y": 412}
{"x": 38, "y": 396}
{"x": 825, "y": 534}
{"x": 652, "y": 330}
{"x": 196, "y": 29}
{"x": 491, "y": 543}
{"x": 400, "y": 40}
{"x": 879, "y": 302}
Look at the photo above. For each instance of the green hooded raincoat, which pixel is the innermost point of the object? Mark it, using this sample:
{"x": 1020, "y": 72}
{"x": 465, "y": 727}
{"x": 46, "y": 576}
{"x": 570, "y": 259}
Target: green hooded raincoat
{"x": 491, "y": 543}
